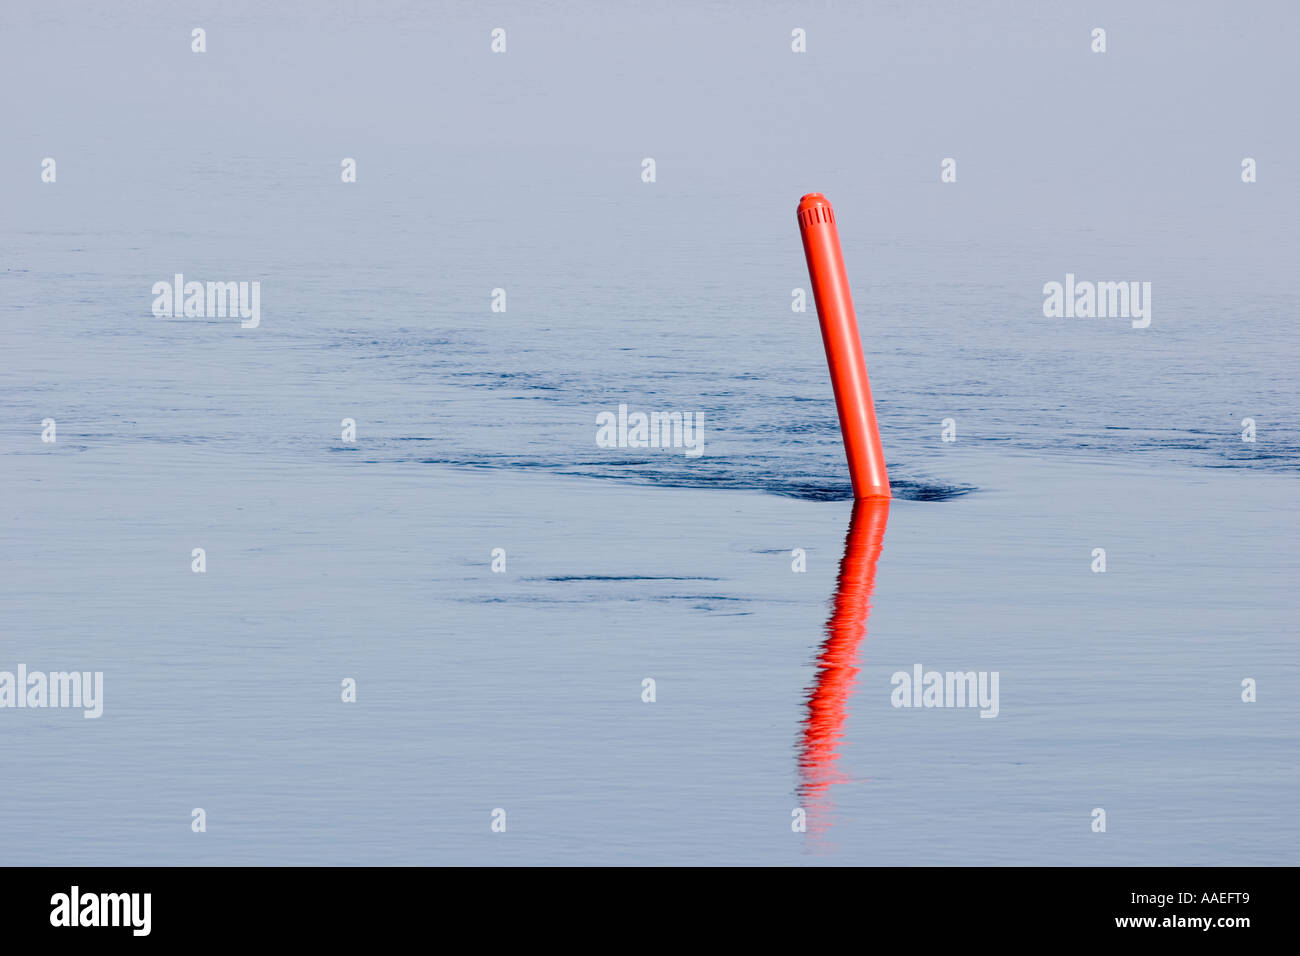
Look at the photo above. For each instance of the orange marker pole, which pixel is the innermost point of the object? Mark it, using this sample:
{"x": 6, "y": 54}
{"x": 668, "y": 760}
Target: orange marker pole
{"x": 821, "y": 244}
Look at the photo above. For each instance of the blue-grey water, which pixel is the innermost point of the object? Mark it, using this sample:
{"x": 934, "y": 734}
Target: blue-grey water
{"x": 522, "y": 690}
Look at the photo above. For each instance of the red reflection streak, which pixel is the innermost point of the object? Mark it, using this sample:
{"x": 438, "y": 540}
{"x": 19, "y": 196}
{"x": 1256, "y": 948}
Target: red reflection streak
{"x": 837, "y": 663}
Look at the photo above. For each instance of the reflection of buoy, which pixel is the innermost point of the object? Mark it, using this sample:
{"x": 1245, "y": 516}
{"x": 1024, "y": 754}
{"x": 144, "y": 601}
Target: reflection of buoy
{"x": 837, "y": 662}
{"x": 821, "y": 244}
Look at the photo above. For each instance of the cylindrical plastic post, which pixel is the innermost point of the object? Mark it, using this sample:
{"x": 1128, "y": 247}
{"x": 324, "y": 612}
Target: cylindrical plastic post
{"x": 821, "y": 244}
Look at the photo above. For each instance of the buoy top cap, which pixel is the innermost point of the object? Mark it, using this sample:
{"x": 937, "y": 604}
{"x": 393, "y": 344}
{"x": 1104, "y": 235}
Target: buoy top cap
{"x": 814, "y": 208}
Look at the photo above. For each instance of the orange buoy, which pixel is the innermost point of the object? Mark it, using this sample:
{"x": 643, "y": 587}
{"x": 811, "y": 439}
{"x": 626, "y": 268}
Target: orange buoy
{"x": 821, "y": 244}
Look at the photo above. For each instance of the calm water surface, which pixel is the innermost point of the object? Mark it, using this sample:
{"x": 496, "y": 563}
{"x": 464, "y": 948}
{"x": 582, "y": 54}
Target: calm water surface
{"x": 522, "y": 690}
